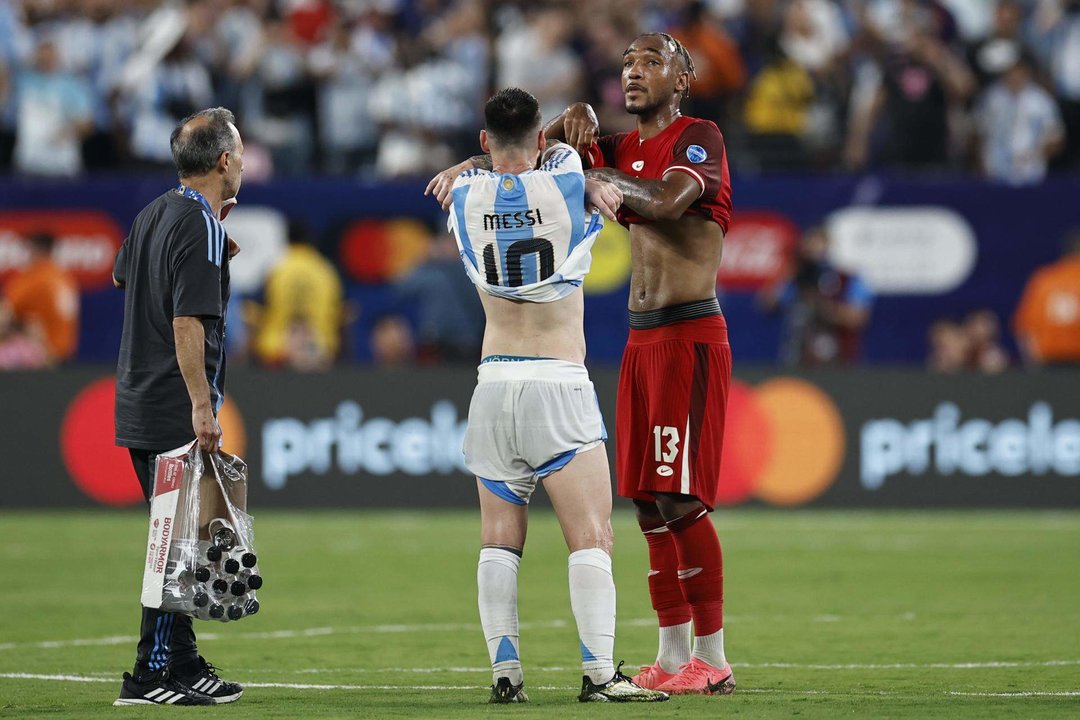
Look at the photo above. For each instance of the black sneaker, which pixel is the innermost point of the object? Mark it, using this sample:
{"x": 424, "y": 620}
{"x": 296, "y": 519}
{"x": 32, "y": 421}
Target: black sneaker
{"x": 159, "y": 689}
{"x": 503, "y": 693}
{"x": 619, "y": 688}
{"x": 207, "y": 682}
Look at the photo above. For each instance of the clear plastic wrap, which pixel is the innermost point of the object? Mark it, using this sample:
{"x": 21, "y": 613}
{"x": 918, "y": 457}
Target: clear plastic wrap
{"x": 200, "y": 551}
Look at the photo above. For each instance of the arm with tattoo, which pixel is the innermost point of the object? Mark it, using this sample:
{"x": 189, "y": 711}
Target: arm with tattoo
{"x": 480, "y": 162}
{"x": 664, "y": 199}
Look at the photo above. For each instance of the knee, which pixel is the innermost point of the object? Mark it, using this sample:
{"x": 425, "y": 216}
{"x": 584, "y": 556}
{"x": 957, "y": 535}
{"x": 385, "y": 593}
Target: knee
{"x": 648, "y": 514}
{"x": 598, "y": 535}
{"x": 672, "y": 507}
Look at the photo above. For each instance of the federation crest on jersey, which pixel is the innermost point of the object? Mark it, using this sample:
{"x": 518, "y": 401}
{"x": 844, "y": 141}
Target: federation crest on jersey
{"x": 696, "y": 154}
{"x": 637, "y": 165}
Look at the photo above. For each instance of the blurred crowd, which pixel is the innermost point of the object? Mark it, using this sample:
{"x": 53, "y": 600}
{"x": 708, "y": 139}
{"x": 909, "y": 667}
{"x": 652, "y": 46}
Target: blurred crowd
{"x": 302, "y": 319}
{"x": 393, "y": 87}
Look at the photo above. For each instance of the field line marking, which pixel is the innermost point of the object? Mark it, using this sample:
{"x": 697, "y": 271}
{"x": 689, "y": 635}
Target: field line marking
{"x": 390, "y": 628}
{"x": 777, "y": 666}
{"x": 1020, "y": 694}
{"x": 1017, "y": 694}
{"x": 990, "y": 664}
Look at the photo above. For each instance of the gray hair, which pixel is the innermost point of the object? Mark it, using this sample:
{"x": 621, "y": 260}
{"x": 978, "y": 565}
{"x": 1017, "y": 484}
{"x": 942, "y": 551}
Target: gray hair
{"x": 196, "y": 151}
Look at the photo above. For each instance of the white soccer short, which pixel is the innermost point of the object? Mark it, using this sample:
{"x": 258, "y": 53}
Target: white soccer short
{"x": 527, "y": 419}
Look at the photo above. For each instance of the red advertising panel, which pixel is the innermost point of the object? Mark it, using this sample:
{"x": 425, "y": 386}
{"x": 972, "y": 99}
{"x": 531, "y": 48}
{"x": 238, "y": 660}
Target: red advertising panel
{"x": 87, "y": 241}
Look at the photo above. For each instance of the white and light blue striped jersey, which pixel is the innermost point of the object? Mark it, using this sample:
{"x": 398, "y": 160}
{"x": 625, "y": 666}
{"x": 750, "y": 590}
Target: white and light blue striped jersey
{"x": 528, "y": 236}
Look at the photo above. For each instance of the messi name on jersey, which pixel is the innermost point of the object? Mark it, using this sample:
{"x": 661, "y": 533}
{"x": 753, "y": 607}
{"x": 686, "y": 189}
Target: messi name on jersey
{"x": 509, "y": 220}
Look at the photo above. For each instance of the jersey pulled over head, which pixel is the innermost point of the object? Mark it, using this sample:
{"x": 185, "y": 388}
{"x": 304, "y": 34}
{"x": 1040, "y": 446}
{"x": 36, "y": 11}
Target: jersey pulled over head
{"x": 523, "y": 235}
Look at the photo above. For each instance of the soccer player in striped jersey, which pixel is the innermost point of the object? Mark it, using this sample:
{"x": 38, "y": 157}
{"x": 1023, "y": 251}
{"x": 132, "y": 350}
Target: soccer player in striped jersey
{"x": 673, "y": 385}
{"x": 525, "y": 239}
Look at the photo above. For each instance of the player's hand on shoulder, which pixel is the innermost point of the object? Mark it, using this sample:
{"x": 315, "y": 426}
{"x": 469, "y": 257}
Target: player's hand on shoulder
{"x": 604, "y": 196}
{"x": 580, "y": 127}
{"x": 442, "y": 185}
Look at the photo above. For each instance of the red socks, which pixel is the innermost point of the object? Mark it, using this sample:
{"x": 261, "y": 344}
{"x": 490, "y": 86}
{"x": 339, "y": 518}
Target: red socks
{"x": 701, "y": 569}
{"x": 664, "y": 588}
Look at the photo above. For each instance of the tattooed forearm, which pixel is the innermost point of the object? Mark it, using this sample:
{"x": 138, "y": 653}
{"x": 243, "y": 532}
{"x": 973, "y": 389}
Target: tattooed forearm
{"x": 481, "y": 162}
{"x": 645, "y": 197}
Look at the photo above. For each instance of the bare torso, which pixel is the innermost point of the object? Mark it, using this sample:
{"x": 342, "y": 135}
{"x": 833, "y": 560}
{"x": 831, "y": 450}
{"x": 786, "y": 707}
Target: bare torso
{"x": 673, "y": 262}
{"x": 529, "y": 329}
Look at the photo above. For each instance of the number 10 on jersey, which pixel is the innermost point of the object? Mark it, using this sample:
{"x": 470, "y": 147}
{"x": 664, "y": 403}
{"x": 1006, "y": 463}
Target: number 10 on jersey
{"x": 514, "y": 253}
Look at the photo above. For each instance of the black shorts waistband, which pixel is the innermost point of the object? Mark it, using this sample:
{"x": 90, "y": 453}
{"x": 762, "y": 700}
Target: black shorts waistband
{"x": 648, "y": 319}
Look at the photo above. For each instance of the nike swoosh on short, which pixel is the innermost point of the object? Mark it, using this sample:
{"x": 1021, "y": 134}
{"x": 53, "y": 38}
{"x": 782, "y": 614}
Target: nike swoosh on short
{"x": 688, "y": 573}
{"x": 653, "y": 572}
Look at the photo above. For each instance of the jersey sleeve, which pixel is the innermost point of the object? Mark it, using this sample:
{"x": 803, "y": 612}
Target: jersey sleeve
{"x": 602, "y": 152}
{"x": 699, "y": 153}
{"x": 198, "y": 250}
{"x": 561, "y": 159}
{"x": 119, "y": 271}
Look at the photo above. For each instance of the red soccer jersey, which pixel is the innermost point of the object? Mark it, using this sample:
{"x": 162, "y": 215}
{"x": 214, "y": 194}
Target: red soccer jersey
{"x": 688, "y": 145}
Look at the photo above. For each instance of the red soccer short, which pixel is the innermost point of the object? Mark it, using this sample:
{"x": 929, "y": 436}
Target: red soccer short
{"x": 673, "y": 390}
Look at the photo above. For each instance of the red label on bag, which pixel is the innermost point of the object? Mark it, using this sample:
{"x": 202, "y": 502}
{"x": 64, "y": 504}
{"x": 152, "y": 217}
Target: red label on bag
{"x": 169, "y": 472}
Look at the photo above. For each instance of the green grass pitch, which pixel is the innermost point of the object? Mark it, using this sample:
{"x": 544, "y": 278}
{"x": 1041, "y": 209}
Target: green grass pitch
{"x": 372, "y": 614}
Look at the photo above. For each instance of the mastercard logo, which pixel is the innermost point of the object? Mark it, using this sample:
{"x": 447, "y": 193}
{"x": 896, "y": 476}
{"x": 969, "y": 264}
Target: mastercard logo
{"x": 783, "y": 443}
{"x": 101, "y": 469}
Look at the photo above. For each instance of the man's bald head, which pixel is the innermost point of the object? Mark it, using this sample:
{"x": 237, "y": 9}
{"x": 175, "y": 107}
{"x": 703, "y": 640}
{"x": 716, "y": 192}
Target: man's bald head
{"x": 200, "y": 139}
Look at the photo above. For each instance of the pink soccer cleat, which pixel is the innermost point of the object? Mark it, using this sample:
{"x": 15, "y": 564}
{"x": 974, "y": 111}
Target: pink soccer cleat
{"x": 652, "y": 676}
{"x": 698, "y": 677}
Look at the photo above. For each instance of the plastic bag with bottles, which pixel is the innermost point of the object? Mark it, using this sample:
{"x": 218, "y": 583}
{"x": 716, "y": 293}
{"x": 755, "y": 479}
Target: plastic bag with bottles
{"x": 200, "y": 551}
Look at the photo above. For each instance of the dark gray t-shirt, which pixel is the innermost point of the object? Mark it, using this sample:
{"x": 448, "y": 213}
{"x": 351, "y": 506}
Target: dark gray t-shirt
{"x": 174, "y": 263}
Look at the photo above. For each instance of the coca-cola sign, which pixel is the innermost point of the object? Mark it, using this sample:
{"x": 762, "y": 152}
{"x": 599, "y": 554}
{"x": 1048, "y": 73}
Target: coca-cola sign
{"x": 87, "y": 241}
{"x": 757, "y": 249}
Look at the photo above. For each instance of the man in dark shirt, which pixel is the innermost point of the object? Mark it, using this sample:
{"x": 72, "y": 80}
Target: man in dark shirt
{"x": 170, "y": 375}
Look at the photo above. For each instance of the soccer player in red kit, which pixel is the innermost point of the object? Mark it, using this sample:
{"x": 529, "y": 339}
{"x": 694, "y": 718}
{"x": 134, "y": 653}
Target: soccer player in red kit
{"x": 676, "y": 370}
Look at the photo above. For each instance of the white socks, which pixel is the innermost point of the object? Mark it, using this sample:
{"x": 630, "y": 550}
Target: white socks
{"x": 496, "y": 582}
{"x": 592, "y": 598}
{"x": 674, "y": 647}
{"x": 710, "y": 648}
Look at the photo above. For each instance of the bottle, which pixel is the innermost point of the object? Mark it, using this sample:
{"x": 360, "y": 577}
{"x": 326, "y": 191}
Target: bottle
{"x": 238, "y": 588}
{"x": 194, "y": 597}
{"x": 220, "y": 586}
{"x": 210, "y": 611}
{"x": 240, "y": 556}
{"x": 253, "y": 580}
{"x": 251, "y": 607}
{"x": 235, "y": 612}
{"x": 246, "y": 557}
{"x": 202, "y": 573}
{"x": 222, "y": 534}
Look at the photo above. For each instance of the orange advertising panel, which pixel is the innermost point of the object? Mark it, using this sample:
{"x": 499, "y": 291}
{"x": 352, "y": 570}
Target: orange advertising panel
{"x": 87, "y": 241}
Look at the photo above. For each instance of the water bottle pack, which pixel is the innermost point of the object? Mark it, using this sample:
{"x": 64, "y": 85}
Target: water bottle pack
{"x": 201, "y": 559}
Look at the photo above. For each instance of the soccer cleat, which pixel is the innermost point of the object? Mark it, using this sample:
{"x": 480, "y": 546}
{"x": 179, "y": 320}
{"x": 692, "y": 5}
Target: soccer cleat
{"x": 207, "y": 682}
{"x": 618, "y": 689}
{"x": 504, "y": 693}
{"x": 159, "y": 689}
{"x": 651, "y": 676}
{"x": 698, "y": 677}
